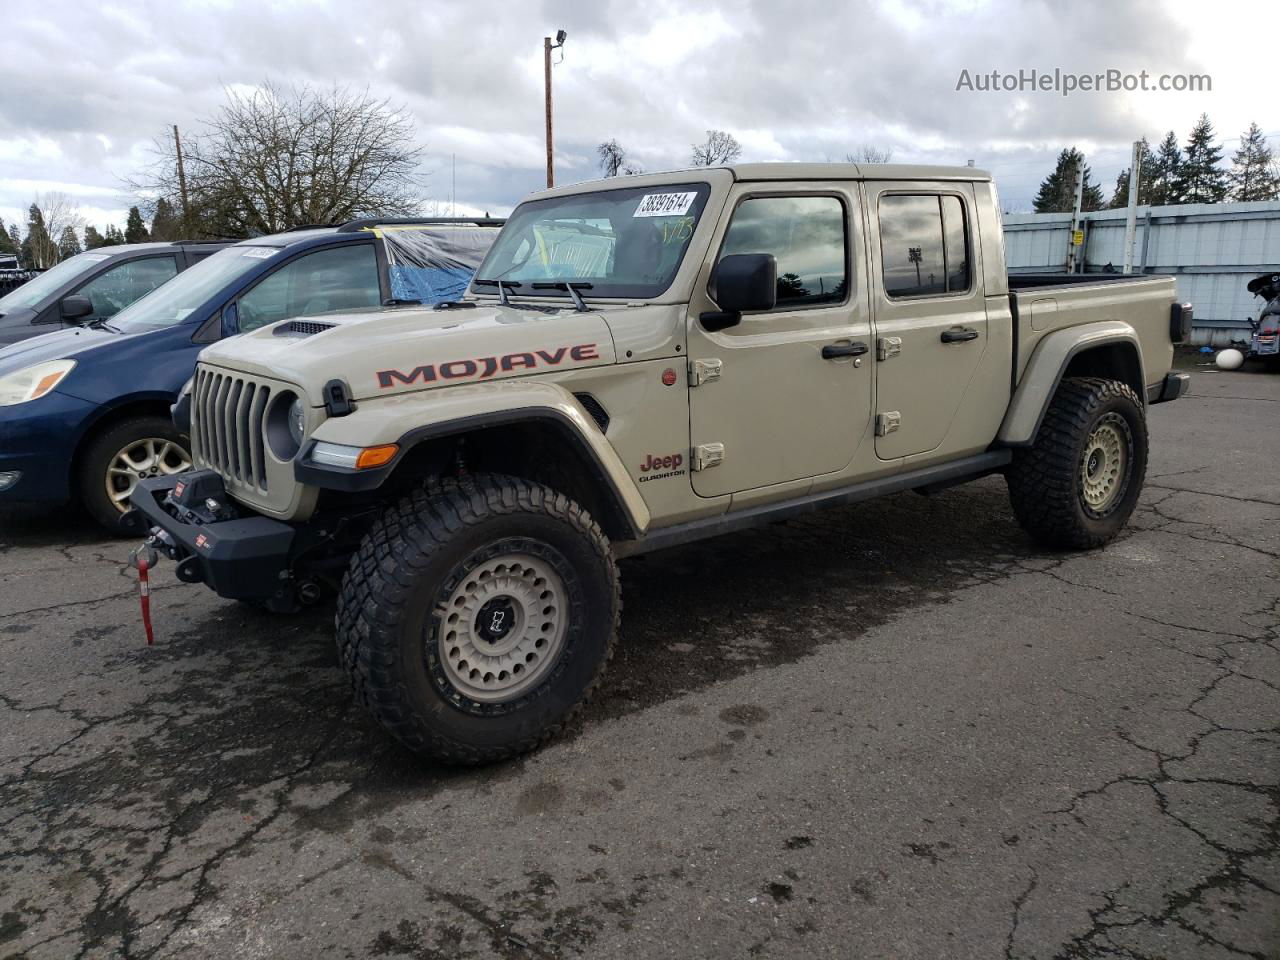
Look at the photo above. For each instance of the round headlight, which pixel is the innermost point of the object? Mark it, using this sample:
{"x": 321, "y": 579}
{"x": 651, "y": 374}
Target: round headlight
{"x": 286, "y": 423}
{"x": 297, "y": 421}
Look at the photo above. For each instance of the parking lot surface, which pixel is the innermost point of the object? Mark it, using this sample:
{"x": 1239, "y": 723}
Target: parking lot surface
{"x": 894, "y": 730}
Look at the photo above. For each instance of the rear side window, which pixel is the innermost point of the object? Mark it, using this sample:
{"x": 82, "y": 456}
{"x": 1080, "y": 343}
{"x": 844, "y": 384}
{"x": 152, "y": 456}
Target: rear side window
{"x": 339, "y": 278}
{"x": 924, "y": 245}
{"x": 120, "y": 286}
{"x": 807, "y": 237}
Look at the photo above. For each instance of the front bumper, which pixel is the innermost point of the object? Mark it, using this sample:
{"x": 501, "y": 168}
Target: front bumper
{"x": 1173, "y": 386}
{"x": 38, "y": 441}
{"x": 246, "y": 558}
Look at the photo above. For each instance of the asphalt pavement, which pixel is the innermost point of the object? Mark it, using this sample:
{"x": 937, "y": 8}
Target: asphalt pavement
{"x": 893, "y": 730}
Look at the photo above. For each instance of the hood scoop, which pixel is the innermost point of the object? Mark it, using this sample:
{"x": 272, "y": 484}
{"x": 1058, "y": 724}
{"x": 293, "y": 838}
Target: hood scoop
{"x": 302, "y": 328}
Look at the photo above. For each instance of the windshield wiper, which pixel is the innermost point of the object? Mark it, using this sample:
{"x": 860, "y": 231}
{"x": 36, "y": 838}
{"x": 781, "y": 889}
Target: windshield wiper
{"x": 103, "y": 325}
{"x": 572, "y": 286}
{"x": 502, "y": 285}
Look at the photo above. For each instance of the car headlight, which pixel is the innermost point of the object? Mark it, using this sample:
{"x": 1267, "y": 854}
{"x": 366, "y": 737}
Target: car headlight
{"x": 33, "y": 382}
{"x": 297, "y": 421}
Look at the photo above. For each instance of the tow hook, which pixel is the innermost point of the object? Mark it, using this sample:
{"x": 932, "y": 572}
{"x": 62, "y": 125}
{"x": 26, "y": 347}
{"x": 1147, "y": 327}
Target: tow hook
{"x": 143, "y": 559}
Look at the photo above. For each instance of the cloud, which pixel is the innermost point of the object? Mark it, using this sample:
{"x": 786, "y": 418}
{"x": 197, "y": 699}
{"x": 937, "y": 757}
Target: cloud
{"x": 87, "y": 86}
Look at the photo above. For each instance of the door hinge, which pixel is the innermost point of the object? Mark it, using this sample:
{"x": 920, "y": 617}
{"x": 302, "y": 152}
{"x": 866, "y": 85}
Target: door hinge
{"x": 887, "y": 423}
{"x": 703, "y": 371}
{"x": 707, "y": 455}
{"x": 887, "y": 347}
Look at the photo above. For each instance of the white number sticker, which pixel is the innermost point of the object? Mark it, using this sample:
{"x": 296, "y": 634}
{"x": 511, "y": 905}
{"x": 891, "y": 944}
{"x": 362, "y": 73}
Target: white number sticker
{"x": 664, "y": 204}
{"x": 259, "y": 253}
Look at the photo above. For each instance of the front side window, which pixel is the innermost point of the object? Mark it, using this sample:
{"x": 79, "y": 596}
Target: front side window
{"x": 624, "y": 243}
{"x": 806, "y": 235}
{"x": 327, "y": 281}
{"x": 120, "y": 286}
{"x": 923, "y": 245}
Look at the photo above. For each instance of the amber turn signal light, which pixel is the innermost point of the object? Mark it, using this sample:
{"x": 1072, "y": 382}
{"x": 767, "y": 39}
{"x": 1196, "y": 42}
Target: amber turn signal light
{"x": 371, "y": 457}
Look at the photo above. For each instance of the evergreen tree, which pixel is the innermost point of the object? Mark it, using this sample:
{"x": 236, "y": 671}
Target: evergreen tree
{"x": 164, "y": 222}
{"x": 1165, "y": 171}
{"x": 6, "y": 242}
{"x": 1253, "y": 172}
{"x": 1201, "y": 179}
{"x": 15, "y": 241}
{"x": 1146, "y": 170}
{"x": 1057, "y": 191}
{"x": 68, "y": 243}
{"x": 38, "y": 249}
{"x": 135, "y": 231}
{"x": 92, "y": 238}
{"x": 113, "y": 237}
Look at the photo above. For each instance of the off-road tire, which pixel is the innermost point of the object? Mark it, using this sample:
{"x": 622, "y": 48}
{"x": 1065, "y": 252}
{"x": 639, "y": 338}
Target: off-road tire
{"x": 1046, "y": 482}
{"x": 102, "y": 450}
{"x": 390, "y": 614}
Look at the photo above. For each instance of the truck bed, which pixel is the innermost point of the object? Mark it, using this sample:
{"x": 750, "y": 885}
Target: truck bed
{"x": 1044, "y": 303}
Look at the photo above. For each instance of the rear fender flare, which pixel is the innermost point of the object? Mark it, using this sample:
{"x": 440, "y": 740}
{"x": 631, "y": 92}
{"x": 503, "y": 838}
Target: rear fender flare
{"x": 1048, "y": 365}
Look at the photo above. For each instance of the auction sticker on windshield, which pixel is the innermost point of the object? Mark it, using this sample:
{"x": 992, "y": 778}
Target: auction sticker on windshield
{"x": 260, "y": 253}
{"x": 664, "y": 204}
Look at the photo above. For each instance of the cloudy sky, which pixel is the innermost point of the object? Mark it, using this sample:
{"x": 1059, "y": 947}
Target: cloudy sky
{"x": 85, "y": 86}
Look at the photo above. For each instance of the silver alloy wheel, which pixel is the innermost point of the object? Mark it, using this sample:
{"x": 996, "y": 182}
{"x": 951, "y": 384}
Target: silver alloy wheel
{"x": 148, "y": 457}
{"x": 1105, "y": 463}
{"x": 503, "y": 627}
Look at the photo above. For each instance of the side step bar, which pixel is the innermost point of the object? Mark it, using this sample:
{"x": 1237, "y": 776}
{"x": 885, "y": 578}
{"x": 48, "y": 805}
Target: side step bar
{"x": 935, "y": 477}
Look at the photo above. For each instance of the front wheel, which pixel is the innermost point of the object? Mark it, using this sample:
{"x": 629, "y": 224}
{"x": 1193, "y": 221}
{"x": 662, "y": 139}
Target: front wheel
{"x": 1077, "y": 484}
{"x": 125, "y": 453}
{"x": 477, "y": 617}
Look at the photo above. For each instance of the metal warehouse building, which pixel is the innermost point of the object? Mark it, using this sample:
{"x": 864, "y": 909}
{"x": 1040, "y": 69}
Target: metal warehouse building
{"x": 1212, "y": 249}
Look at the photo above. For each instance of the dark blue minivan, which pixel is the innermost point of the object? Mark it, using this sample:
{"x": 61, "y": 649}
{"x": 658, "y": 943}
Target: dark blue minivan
{"x": 84, "y": 412}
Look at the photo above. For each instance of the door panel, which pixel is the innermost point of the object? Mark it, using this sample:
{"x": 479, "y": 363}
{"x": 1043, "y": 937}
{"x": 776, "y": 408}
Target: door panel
{"x": 782, "y": 411}
{"x": 930, "y": 313}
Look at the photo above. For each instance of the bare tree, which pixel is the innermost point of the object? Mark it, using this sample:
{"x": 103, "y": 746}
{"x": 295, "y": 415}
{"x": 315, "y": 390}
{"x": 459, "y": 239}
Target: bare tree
{"x": 719, "y": 148}
{"x": 48, "y": 218}
{"x": 613, "y": 160}
{"x": 278, "y": 157}
{"x": 866, "y": 153}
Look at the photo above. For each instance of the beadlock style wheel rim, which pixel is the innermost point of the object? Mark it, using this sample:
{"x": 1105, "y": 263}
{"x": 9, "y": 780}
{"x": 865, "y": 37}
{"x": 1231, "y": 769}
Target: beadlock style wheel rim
{"x": 1104, "y": 465}
{"x": 148, "y": 457}
{"x": 502, "y": 628}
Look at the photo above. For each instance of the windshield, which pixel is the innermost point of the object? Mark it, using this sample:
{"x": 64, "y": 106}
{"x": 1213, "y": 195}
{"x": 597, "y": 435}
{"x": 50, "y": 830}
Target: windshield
{"x": 191, "y": 289}
{"x": 33, "y": 291}
{"x": 623, "y": 243}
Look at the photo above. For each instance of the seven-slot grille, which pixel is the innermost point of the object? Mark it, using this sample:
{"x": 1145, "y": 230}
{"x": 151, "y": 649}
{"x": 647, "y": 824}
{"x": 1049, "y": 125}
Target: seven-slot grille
{"x": 227, "y": 414}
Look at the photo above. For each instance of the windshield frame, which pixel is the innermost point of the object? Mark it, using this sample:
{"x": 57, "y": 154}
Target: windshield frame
{"x": 93, "y": 262}
{"x": 131, "y": 318}
{"x": 707, "y": 196}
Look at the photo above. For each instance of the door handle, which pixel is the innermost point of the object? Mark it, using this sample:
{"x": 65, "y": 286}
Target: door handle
{"x": 835, "y": 351}
{"x": 959, "y": 335}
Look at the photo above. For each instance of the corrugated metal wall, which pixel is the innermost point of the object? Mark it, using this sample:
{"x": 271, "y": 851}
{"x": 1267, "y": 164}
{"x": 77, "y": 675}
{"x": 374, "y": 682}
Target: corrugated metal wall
{"x": 1213, "y": 249}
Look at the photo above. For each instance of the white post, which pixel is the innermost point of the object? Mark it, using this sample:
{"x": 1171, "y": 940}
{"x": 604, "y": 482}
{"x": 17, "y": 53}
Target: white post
{"x": 1131, "y": 219}
{"x": 1075, "y": 217}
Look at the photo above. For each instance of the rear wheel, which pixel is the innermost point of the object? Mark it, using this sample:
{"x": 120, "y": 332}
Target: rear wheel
{"x": 1078, "y": 483}
{"x": 125, "y": 453}
{"x": 477, "y": 617}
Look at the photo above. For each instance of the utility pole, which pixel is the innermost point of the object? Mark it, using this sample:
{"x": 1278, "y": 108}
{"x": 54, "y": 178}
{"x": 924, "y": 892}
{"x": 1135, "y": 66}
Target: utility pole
{"x": 1076, "y": 238}
{"x": 1131, "y": 218}
{"x": 182, "y": 186}
{"x": 547, "y": 47}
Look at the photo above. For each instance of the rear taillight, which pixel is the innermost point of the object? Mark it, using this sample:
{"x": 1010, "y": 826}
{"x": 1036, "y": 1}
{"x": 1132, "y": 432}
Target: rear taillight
{"x": 1180, "y": 322}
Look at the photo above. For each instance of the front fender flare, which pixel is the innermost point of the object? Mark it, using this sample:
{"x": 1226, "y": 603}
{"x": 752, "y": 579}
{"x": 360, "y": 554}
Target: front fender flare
{"x": 1045, "y": 369}
{"x": 413, "y": 418}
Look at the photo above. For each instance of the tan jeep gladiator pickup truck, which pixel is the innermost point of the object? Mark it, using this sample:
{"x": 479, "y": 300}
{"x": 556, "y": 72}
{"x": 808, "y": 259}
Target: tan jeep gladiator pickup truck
{"x": 641, "y": 362}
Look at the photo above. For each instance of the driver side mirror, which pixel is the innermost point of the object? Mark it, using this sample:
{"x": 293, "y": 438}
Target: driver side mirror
{"x": 75, "y": 308}
{"x": 745, "y": 282}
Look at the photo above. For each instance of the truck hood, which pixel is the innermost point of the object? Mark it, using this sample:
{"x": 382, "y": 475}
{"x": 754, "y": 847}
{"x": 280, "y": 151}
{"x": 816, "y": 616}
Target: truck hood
{"x": 418, "y": 348}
